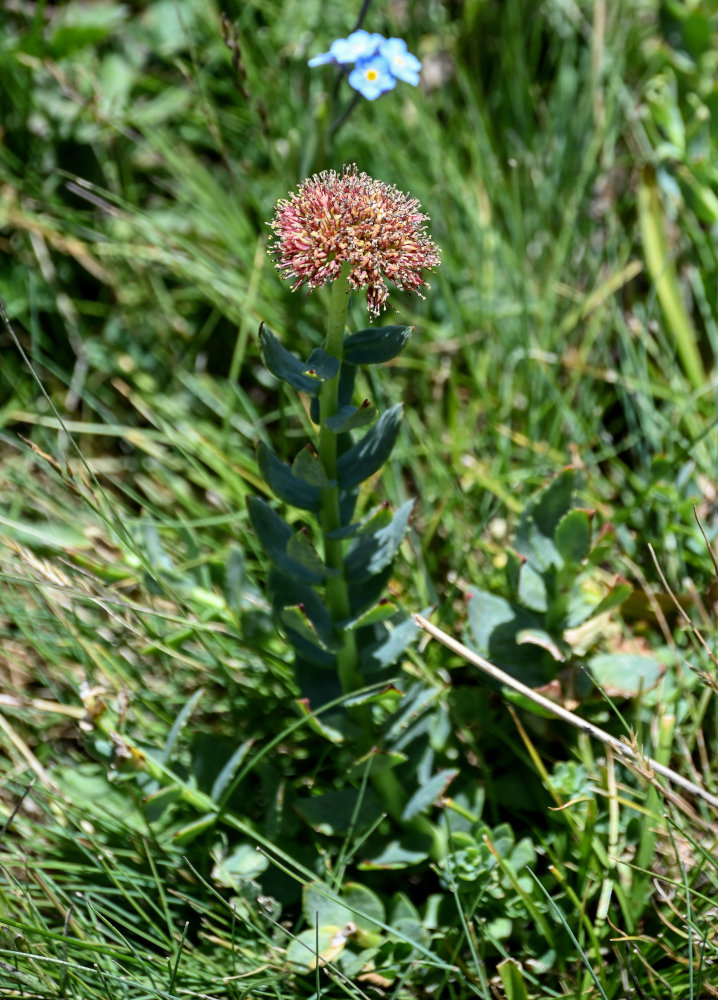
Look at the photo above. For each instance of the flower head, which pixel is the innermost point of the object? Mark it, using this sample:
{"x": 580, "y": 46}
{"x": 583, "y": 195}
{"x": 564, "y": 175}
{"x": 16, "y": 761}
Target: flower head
{"x": 380, "y": 62}
{"x": 402, "y": 64}
{"x": 372, "y": 77}
{"x": 351, "y": 218}
{"x": 359, "y": 45}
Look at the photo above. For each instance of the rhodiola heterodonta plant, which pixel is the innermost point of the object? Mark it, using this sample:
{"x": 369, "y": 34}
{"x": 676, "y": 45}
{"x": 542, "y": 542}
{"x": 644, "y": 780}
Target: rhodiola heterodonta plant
{"x": 331, "y": 563}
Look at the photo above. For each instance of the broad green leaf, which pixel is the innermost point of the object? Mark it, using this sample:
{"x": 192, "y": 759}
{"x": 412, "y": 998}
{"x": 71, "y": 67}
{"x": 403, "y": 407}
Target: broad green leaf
{"x": 333, "y": 727}
{"x": 316, "y": 947}
{"x": 284, "y": 592}
{"x": 573, "y": 536}
{"x": 540, "y": 518}
{"x": 367, "y": 907}
{"x": 373, "y": 552}
{"x": 410, "y": 850}
{"x": 411, "y": 929}
{"x": 512, "y": 980}
{"x": 244, "y": 863}
{"x": 285, "y": 366}
{"x": 351, "y": 418}
{"x": 78, "y": 25}
{"x": 368, "y": 455}
{"x": 585, "y": 601}
{"x": 402, "y": 908}
{"x": 376, "y": 345}
{"x": 620, "y": 590}
{"x": 339, "y": 812}
{"x": 156, "y": 803}
{"x": 558, "y": 650}
{"x": 379, "y": 613}
{"x": 284, "y": 482}
{"x": 377, "y": 518}
{"x": 36, "y": 534}
{"x": 378, "y": 760}
{"x": 275, "y": 535}
{"x": 415, "y": 703}
{"x": 425, "y": 797}
{"x": 625, "y": 674}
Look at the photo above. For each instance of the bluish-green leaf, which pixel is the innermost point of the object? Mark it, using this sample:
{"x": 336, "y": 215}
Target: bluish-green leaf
{"x": 425, "y": 797}
{"x": 284, "y": 365}
{"x": 377, "y": 518}
{"x": 284, "y": 483}
{"x": 376, "y": 345}
{"x": 532, "y": 592}
{"x": 337, "y": 813}
{"x": 301, "y": 550}
{"x": 295, "y": 619}
{"x": 372, "y": 552}
{"x": 351, "y": 418}
{"x": 275, "y": 535}
{"x": 308, "y": 467}
{"x": 322, "y": 365}
{"x": 315, "y": 645}
{"x": 387, "y": 650}
{"x": 368, "y": 455}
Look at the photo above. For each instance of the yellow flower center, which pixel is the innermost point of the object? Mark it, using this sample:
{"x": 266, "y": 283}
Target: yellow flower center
{"x": 371, "y": 74}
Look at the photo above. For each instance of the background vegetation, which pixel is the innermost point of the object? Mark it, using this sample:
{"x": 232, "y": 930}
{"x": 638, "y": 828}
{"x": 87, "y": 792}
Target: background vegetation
{"x": 151, "y": 733}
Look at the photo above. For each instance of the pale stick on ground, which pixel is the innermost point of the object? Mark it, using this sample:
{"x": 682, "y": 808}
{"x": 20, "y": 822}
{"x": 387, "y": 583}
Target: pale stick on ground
{"x": 624, "y": 749}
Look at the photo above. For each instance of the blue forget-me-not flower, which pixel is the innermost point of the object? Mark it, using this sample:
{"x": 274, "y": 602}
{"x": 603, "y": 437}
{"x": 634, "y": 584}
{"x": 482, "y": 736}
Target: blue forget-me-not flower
{"x": 379, "y": 62}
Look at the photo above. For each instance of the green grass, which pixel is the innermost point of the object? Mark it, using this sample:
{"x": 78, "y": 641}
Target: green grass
{"x": 148, "y": 711}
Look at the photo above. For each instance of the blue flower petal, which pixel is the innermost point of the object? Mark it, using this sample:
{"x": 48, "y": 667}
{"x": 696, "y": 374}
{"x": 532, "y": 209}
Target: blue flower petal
{"x": 359, "y": 45}
{"x": 372, "y": 78}
{"x": 402, "y": 64}
{"x": 321, "y": 59}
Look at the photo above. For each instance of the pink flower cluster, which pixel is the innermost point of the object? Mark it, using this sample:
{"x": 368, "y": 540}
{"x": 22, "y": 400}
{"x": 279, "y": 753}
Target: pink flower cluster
{"x": 335, "y": 218}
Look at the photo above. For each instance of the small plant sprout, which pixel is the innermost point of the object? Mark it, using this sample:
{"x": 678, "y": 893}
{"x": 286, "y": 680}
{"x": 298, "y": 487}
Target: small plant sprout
{"x": 330, "y": 567}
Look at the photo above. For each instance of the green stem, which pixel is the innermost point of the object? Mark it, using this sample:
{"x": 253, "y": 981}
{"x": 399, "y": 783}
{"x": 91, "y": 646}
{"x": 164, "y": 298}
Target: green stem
{"x": 337, "y": 589}
{"x": 386, "y": 783}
